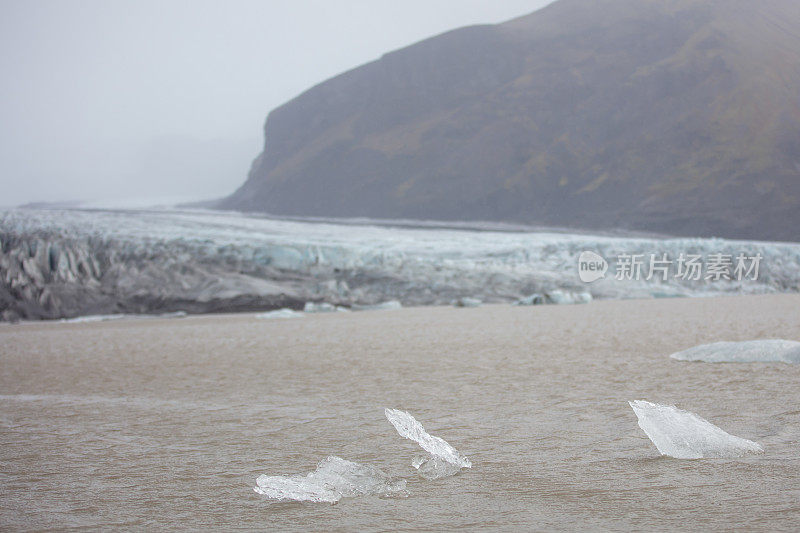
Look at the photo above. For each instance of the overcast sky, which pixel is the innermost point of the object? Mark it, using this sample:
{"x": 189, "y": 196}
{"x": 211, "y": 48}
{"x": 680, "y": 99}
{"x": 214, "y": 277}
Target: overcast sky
{"x": 112, "y": 100}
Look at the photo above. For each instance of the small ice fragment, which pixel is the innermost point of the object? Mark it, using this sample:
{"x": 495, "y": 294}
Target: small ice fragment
{"x": 417, "y": 461}
{"x": 408, "y": 427}
{"x": 105, "y": 318}
{"x": 563, "y": 297}
{"x": 281, "y": 313}
{"x": 758, "y": 351}
{"x": 433, "y": 467}
{"x": 93, "y": 318}
{"x": 583, "y": 297}
{"x": 467, "y": 302}
{"x": 533, "y": 299}
{"x": 335, "y": 478}
{"x": 390, "y": 305}
{"x": 321, "y": 307}
{"x": 174, "y": 314}
{"x": 685, "y": 435}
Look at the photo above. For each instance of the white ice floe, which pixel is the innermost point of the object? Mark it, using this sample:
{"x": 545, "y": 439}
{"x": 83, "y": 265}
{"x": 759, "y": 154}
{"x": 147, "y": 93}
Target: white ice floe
{"x": 532, "y": 299}
{"x": 281, "y": 313}
{"x": 759, "y": 351}
{"x": 558, "y": 297}
{"x": 174, "y": 314}
{"x": 390, "y": 305}
{"x": 323, "y": 307}
{"x": 105, "y": 318}
{"x": 685, "y": 435}
{"x": 444, "y": 460}
{"x": 335, "y": 478}
{"x": 565, "y": 297}
{"x": 93, "y": 318}
{"x": 433, "y": 467}
{"x": 467, "y": 302}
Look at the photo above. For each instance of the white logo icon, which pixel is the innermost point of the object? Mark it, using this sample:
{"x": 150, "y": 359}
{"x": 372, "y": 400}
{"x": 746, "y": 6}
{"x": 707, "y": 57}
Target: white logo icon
{"x": 591, "y": 267}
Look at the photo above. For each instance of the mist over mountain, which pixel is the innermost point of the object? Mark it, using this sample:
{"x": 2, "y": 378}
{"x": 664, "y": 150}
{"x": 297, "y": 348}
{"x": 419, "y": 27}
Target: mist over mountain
{"x": 674, "y": 116}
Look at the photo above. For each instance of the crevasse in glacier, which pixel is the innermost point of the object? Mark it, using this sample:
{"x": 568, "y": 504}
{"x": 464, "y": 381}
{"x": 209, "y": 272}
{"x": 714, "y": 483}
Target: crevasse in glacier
{"x": 684, "y": 435}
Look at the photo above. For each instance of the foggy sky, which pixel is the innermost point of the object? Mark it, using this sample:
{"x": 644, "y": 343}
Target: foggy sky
{"x": 111, "y": 100}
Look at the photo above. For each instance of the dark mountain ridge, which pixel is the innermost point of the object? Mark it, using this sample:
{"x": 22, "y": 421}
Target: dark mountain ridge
{"x": 675, "y": 116}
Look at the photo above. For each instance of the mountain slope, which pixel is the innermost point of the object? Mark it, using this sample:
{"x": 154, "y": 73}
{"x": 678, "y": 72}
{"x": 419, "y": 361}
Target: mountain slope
{"x": 677, "y": 116}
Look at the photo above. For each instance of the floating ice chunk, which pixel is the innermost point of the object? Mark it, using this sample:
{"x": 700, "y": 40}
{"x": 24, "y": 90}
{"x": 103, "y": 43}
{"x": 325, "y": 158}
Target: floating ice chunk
{"x": 390, "y": 305}
{"x": 685, "y": 435}
{"x": 559, "y": 297}
{"x": 281, "y": 313}
{"x": 760, "y": 351}
{"x": 434, "y": 467}
{"x": 583, "y": 297}
{"x": 322, "y": 307}
{"x": 408, "y": 427}
{"x": 533, "y": 299}
{"x": 467, "y": 302}
{"x": 563, "y": 297}
{"x": 174, "y": 314}
{"x": 92, "y": 318}
{"x": 106, "y": 318}
{"x": 335, "y": 478}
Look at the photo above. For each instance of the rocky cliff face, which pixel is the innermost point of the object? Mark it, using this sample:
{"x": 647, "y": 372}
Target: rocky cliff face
{"x": 676, "y": 116}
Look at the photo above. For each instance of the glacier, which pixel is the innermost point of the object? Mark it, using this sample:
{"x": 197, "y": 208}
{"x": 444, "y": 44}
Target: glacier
{"x": 684, "y": 435}
{"x": 64, "y": 263}
{"x": 444, "y": 460}
{"x": 755, "y": 351}
{"x": 334, "y": 478}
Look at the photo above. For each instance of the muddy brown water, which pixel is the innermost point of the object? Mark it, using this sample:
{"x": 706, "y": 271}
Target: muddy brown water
{"x": 145, "y": 424}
